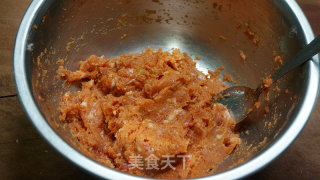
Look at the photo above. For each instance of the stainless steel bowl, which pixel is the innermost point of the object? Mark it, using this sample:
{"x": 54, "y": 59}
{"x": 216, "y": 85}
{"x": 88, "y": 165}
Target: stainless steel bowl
{"x": 96, "y": 27}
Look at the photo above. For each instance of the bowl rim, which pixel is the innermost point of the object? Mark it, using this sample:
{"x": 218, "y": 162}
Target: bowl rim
{"x": 30, "y": 107}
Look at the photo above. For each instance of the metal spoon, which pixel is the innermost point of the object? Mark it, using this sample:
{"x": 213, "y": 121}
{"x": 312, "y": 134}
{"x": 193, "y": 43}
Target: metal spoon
{"x": 241, "y": 99}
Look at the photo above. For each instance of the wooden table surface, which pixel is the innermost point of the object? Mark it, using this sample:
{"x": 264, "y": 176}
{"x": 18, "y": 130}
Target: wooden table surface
{"x": 24, "y": 154}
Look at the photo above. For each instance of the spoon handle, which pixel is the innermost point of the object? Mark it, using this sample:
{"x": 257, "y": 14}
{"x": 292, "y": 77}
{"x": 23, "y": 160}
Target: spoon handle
{"x": 303, "y": 55}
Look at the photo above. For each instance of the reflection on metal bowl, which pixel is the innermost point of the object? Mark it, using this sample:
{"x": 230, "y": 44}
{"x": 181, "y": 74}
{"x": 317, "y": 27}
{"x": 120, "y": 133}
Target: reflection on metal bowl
{"x": 217, "y": 32}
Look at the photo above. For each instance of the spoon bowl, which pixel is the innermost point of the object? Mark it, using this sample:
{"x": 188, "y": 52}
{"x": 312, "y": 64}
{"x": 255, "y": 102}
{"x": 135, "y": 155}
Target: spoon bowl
{"x": 240, "y": 100}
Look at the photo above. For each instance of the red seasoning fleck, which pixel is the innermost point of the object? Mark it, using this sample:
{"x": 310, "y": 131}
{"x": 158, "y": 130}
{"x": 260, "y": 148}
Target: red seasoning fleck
{"x": 267, "y": 82}
{"x": 243, "y": 56}
{"x": 278, "y": 59}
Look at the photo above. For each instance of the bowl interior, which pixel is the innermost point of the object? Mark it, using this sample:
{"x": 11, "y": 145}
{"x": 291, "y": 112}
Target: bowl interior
{"x": 216, "y": 31}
